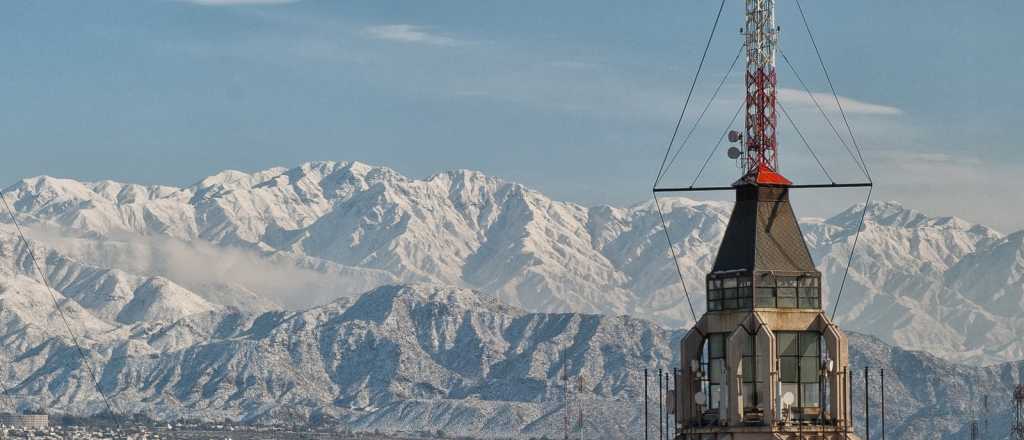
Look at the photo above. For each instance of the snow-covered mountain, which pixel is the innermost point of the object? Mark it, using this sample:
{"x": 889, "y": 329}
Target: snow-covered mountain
{"x": 417, "y": 358}
{"x": 304, "y": 236}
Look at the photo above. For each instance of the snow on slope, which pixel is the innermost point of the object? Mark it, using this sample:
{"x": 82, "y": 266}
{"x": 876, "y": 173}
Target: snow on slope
{"x": 398, "y": 358}
{"x": 426, "y": 357}
{"x": 939, "y": 284}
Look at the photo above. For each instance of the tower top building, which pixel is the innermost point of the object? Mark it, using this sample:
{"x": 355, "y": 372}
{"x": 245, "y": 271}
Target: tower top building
{"x": 764, "y": 361}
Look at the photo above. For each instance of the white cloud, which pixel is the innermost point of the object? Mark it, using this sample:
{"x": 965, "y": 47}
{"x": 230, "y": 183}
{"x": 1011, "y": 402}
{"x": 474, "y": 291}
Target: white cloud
{"x": 827, "y": 102}
{"x": 239, "y": 2}
{"x": 407, "y": 33}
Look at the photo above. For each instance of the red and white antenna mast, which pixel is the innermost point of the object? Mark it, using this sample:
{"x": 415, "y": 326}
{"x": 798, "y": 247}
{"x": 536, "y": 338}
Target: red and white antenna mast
{"x": 761, "y": 37}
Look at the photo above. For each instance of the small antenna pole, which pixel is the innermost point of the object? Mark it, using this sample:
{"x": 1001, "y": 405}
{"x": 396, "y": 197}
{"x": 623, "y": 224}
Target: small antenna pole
{"x": 984, "y": 405}
{"x": 1017, "y": 424}
{"x": 675, "y": 400}
{"x": 867, "y": 408}
{"x": 565, "y": 398}
{"x": 645, "y": 405}
{"x": 666, "y": 405}
{"x": 661, "y": 426}
{"x": 580, "y": 396}
{"x": 882, "y": 373}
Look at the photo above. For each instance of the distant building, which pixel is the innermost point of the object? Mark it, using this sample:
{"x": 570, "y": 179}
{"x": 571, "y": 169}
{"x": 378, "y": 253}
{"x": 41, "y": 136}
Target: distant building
{"x": 25, "y": 420}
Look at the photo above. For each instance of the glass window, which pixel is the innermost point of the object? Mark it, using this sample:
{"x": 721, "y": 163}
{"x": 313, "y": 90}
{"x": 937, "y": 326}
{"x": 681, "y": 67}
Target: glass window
{"x": 808, "y": 369}
{"x": 713, "y": 368}
{"x": 809, "y": 394}
{"x": 749, "y": 367}
{"x": 787, "y": 343}
{"x": 810, "y": 343}
{"x": 714, "y": 395}
{"x": 745, "y": 292}
{"x": 786, "y": 303}
{"x": 765, "y": 297}
{"x": 790, "y": 369}
{"x": 716, "y": 344}
{"x": 800, "y": 365}
{"x": 716, "y": 370}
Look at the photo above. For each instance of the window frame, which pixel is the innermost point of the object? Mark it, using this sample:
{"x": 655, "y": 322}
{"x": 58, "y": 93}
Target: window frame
{"x": 800, "y": 361}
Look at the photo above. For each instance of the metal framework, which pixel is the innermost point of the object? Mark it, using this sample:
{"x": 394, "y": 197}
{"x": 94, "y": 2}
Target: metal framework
{"x": 761, "y": 36}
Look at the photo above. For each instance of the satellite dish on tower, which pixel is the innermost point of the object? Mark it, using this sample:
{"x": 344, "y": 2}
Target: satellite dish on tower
{"x": 735, "y": 136}
{"x": 734, "y": 153}
{"x": 788, "y": 398}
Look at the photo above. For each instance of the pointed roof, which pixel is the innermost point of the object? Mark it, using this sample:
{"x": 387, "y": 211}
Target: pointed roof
{"x": 763, "y": 234}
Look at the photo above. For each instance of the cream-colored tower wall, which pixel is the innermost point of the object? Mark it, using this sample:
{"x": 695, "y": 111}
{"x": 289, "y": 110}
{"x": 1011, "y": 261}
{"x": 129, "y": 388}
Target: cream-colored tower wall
{"x": 763, "y": 324}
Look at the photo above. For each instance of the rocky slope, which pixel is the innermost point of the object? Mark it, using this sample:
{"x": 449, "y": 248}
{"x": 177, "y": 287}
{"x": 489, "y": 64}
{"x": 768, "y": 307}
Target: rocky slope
{"x": 413, "y": 358}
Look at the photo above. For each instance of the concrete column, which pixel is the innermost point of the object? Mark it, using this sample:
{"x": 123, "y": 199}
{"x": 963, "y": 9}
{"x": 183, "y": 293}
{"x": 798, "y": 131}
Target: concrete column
{"x": 767, "y": 350}
{"x": 733, "y": 359}
{"x": 838, "y": 352}
{"x": 690, "y": 350}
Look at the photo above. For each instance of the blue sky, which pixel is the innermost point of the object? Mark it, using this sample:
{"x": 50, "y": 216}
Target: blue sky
{"x": 574, "y": 98}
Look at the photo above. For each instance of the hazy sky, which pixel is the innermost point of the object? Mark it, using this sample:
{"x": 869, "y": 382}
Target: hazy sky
{"x": 575, "y": 98}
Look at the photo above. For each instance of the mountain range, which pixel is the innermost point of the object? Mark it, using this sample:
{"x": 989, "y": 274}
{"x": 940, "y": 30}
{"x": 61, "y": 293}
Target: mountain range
{"x": 342, "y": 293}
{"x": 294, "y": 238}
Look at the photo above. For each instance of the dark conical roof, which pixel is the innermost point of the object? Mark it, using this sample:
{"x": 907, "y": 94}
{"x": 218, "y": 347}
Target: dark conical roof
{"x": 763, "y": 234}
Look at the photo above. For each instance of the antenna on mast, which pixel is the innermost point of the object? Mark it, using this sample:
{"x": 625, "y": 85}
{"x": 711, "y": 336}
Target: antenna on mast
{"x": 761, "y": 37}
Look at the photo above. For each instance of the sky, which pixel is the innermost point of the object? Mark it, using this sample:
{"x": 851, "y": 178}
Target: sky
{"x": 574, "y": 98}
